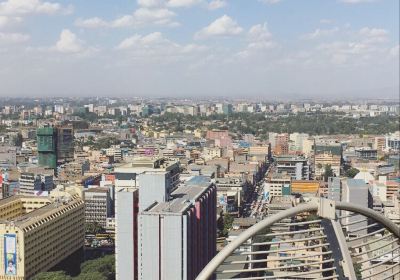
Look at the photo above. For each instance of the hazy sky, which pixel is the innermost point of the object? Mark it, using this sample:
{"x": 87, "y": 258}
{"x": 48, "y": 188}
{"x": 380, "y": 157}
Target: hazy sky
{"x": 265, "y": 48}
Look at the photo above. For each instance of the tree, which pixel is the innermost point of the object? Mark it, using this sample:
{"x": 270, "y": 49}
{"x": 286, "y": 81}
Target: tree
{"x": 53, "y": 275}
{"x": 328, "y": 172}
{"x": 352, "y": 172}
{"x": 105, "y": 142}
{"x": 228, "y": 221}
{"x": 91, "y": 276}
{"x": 93, "y": 228}
{"x": 97, "y": 269}
{"x": 104, "y": 266}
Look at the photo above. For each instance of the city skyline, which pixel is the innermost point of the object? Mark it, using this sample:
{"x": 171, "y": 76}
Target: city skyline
{"x": 158, "y": 189}
{"x": 286, "y": 49}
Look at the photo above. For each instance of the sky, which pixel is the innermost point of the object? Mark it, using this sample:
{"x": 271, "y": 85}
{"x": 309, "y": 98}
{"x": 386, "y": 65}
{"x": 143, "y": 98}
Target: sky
{"x": 268, "y": 49}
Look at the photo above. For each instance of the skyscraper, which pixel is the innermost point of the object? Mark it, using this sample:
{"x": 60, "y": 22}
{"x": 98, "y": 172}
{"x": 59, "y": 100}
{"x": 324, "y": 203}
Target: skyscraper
{"x": 65, "y": 144}
{"x": 47, "y": 146}
{"x": 155, "y": 177}
{"x": 126, "y": 238}
{"x": 55, "y": 145}
{"x": 177, "y": 238}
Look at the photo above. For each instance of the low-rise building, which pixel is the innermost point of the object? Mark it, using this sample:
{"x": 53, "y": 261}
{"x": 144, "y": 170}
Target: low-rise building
{"x": 39, "y": 232}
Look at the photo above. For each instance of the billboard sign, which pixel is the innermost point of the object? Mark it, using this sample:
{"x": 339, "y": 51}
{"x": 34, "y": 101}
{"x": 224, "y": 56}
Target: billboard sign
{"x": 223, "y": 200}
{"x": 10, "y": 254}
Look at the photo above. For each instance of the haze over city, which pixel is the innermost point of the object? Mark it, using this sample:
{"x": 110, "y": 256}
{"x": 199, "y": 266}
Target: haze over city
{"x": 266, "y": 48}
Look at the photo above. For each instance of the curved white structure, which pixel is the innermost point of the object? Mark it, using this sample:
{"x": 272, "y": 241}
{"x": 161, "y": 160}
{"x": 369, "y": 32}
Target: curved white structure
{"x": 331, "y": 248}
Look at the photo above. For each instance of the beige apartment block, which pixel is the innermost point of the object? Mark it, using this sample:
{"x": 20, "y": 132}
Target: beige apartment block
{"x": 36, "y": 233}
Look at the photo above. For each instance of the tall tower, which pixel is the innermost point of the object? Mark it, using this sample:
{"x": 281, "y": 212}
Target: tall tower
{"x": 65, "y": 144}
{"x": 47, "y": 146}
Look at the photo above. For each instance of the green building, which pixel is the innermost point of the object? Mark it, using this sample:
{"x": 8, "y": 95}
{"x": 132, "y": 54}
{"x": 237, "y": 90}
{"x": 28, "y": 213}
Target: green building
{"x": 47, "y": 146}
{"x": 55, "y": 145}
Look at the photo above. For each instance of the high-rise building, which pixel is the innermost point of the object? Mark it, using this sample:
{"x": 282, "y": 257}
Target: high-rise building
{"x": 38, "y": 233}
{"x": 155, "y": 186}
{"x": 295, "y": 166}
{"x": 227, "y": 109}
{"x": 155, "y": 177}
{"x": 97, "y": 205}
{"x": 126, "y": 238}
{"x": 177, "y": 238}
{"x": 127, "y": 175}
{"x": 47, "y": 146}
{"x": 31, "y": 183}
{"x": 65, "y": 144}
{"x": 55, "y": 145}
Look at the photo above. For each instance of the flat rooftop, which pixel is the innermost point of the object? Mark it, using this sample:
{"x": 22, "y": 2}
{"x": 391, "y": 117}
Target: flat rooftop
{"x": 356, "y": 183}
{"x": 182, "y": 198}
{"x": 21, "y": 197}
{"x": 199, "y": 181}
{"x": 34, "y": 214}
{"x": 39, "y": 213}
{"x": 97, "y": 190}
{"x": 146, "y": 164}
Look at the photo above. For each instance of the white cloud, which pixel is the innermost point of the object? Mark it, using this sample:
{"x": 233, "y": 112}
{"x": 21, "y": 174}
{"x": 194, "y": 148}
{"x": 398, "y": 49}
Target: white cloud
{"x": 155, "y": 46}
{"x": 346, "y": 48}
{"x": 192, "y": 48}
{"x": 216, "y": 4}
{"x": 23, "y": 7}
{"x": 168, "y": 3}
{"x": 94, "y": 22}
{"x": 366, "y": 46}
{"x": 138, "y": 41}
{"x": 223, "y": 26}
{"x": 13, "y": 38}
{"x": 7, "y": 21}
{"x": 156, "y": 16}
{"x": 345, "y": 52}
{"x": 357, "y": 1}
{"x": 259, "y": 39}
{"x": 395, "y": 51}
{"x": 69, "y": 42}
{"x": 374, "y": 35}
{"x": 270, "y": 1}
{"x": 182, "y": 3}
{"x": 320, "y": 33}
{"x": 142, "y": 16}
{"x": 150, "y": 12}
{"x": 150, "y": 3}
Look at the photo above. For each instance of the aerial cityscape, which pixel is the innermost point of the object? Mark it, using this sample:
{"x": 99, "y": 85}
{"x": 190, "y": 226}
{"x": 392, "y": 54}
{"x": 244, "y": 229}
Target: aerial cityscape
{"x": 161, "y": 185}
{"x": 199, "y": 140}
